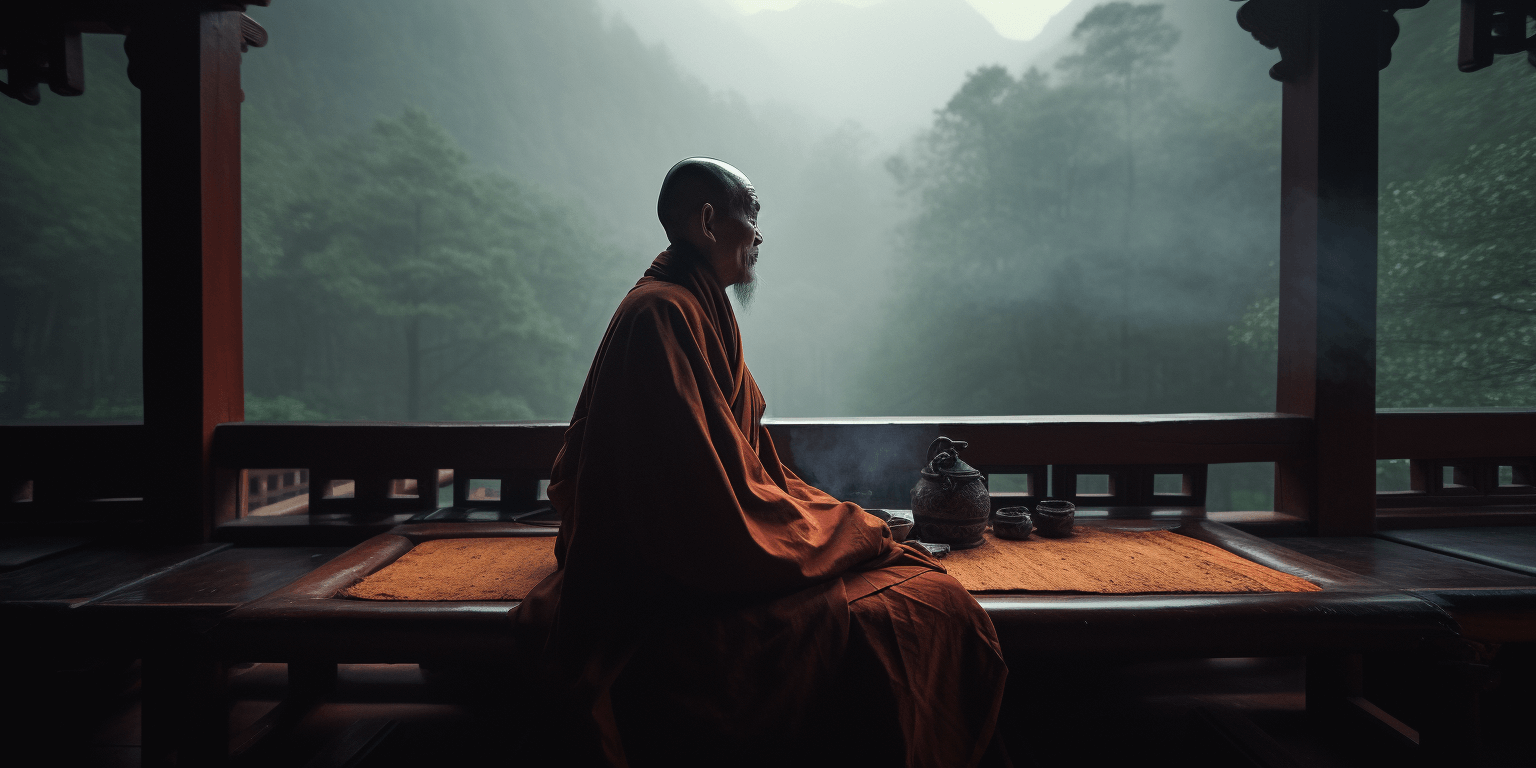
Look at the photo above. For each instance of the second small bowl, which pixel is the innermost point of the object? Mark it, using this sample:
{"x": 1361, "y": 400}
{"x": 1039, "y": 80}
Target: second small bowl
{"x": 1054, "y": 518}
{"x": 1012, "y": 523}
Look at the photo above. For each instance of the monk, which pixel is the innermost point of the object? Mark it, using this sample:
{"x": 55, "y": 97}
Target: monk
{"x": 710, "y": 607}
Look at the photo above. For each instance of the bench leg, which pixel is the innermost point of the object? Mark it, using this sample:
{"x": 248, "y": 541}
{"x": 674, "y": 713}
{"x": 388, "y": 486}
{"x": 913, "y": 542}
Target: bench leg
{"x": 1332, "y": 679}
{"x": 308, "y": 684}
{"x": 309, "y": 681}
{"x": 1450, "y": 735}
{"x": 185, "y": 711}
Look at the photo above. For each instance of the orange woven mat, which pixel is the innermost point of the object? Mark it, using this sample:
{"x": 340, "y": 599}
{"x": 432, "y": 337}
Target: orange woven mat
{"x": 1093, "y": 560}
{"x": 1107, "y": 561}
{"x": 462, "y": 569}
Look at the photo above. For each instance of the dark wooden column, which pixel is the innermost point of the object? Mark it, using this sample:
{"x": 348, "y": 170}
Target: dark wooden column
{"x": 1331, "y": 51}
{"x": 186, "y": 63}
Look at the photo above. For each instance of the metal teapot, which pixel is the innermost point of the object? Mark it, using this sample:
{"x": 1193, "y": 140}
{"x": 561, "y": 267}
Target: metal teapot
{"x": 950, "y": 502}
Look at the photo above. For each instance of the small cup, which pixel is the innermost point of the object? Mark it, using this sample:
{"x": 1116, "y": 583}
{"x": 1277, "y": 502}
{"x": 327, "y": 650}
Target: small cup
{"x": 1054, "y": 519}
{"x": 899, "y": 523}
{"x": 1012, "y": 523}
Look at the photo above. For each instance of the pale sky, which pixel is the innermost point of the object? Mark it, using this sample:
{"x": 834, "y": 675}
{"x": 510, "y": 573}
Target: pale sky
{"x": 1016, "y": 19}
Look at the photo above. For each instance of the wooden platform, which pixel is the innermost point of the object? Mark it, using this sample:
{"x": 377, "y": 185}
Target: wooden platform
{"x": 1509, "y": 547}
{"x": 1488, "y": 603}
{"x": 307, "y": 620}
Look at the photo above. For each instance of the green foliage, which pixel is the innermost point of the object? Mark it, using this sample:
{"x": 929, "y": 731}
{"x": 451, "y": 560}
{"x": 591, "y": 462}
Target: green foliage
{"x": 280, "y": 408}
{"x": 1456, "y": 313}
{"x": 69, "y": 249}
{"x": 1457, "y": 305}
{"x": 397, "y": 279}
{"x": 1259, "y": 327}
{"x": 492, "y": 406}
{"x": 1082, "y": 246}
{"x": 1122, "y": 44}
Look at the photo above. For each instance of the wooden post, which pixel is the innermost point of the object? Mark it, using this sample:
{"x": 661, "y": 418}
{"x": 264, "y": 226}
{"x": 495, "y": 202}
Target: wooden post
{"x": 1328, "y": 262}
{"x": 186, "y": 63}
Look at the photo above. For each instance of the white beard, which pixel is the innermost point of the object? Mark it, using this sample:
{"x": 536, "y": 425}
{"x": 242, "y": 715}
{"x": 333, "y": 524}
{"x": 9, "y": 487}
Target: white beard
{"x": 744, "y": 291}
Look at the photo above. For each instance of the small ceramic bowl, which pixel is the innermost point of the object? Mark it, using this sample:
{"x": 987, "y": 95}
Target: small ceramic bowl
{"x": 1054, "y": 519}
{"x": 1012, "y": 523}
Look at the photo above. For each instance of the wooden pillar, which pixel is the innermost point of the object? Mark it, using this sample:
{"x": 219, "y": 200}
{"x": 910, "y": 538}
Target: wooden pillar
{"x": 186, "y": 63}
{"x": 1328, "y": 258}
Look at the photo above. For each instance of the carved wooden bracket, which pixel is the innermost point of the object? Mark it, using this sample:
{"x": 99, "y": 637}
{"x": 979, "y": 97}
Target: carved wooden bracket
{"x": 141, "y": 51}
{"x": 34, "y": 57}
{"x": 40, "y": 43}
{"x": 1282, "y": 24}
{"x": 1287, "y": 25}
{"x": 1490, "y": 27}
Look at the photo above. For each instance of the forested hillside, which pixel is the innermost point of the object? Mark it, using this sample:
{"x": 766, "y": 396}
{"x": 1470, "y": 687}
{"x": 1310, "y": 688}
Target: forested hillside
{"x": 70, "y": 293}
{"x": 443, "y": 205}
{"x": 444, "y": 202}
{"x": 1085, "y": 235}
{"x": 541, "y": 132}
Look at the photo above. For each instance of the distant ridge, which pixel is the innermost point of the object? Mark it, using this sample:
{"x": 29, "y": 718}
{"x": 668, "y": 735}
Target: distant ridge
{"x": 888, "y": 66}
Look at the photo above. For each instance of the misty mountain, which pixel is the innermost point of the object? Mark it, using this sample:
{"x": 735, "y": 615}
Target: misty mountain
{"x": 890, "y": 65}
{"x": 547, "y": 92}
{"x": 886, "y": 66}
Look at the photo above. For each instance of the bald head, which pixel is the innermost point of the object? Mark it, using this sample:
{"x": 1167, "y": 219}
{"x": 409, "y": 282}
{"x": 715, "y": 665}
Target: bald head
{"x": 696, "y": 181}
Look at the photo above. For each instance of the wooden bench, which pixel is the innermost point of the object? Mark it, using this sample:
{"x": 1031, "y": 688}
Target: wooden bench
{"x": 1512, "y": 548}
{"x": 307, "y": 621}
{"x": 1489, "y": 603}
{"x": 192, "y": 610}
{"x": 154, "y": 604}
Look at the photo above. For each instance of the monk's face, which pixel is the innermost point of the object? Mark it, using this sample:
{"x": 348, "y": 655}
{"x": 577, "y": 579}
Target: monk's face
{"x": 742, "y": 241}
{"x": 735, "y": 238}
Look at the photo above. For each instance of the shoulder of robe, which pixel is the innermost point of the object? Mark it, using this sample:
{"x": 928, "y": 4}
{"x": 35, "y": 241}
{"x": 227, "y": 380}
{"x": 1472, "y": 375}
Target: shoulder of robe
{"x": 661, "y": 297}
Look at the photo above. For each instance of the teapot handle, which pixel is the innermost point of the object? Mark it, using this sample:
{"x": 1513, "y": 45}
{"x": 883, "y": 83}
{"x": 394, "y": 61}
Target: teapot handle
{"x": 941, "y": 444}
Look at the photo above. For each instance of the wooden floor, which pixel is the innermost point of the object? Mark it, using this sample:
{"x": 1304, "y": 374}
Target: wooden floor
{"x": 1221, "y": 712}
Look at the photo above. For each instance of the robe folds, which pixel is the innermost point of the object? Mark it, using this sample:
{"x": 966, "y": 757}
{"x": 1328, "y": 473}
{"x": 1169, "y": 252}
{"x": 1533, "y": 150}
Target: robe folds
{"x": 709, "y": 605}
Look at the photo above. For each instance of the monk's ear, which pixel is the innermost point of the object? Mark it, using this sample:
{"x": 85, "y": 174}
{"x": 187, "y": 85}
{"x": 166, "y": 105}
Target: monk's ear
{"x": 707, "y": 221}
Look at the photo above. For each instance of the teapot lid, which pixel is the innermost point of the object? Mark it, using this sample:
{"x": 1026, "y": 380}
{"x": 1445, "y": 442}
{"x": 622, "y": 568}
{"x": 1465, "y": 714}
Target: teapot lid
{"x": 944, "y": 459}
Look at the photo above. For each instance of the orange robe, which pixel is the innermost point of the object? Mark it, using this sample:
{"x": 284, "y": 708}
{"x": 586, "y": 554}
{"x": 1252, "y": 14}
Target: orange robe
{"x": 709, "y": 604}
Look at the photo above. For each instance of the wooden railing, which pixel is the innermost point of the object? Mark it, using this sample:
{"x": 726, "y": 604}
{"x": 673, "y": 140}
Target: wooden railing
{"x": 69, "y": 468}
{"x": 1470, "y": 446}
{"x": 872, "y": 456}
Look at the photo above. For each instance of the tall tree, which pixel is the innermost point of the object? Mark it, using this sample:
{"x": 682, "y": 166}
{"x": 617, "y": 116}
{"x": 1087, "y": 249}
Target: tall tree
{"x": 1128, "y": 49}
